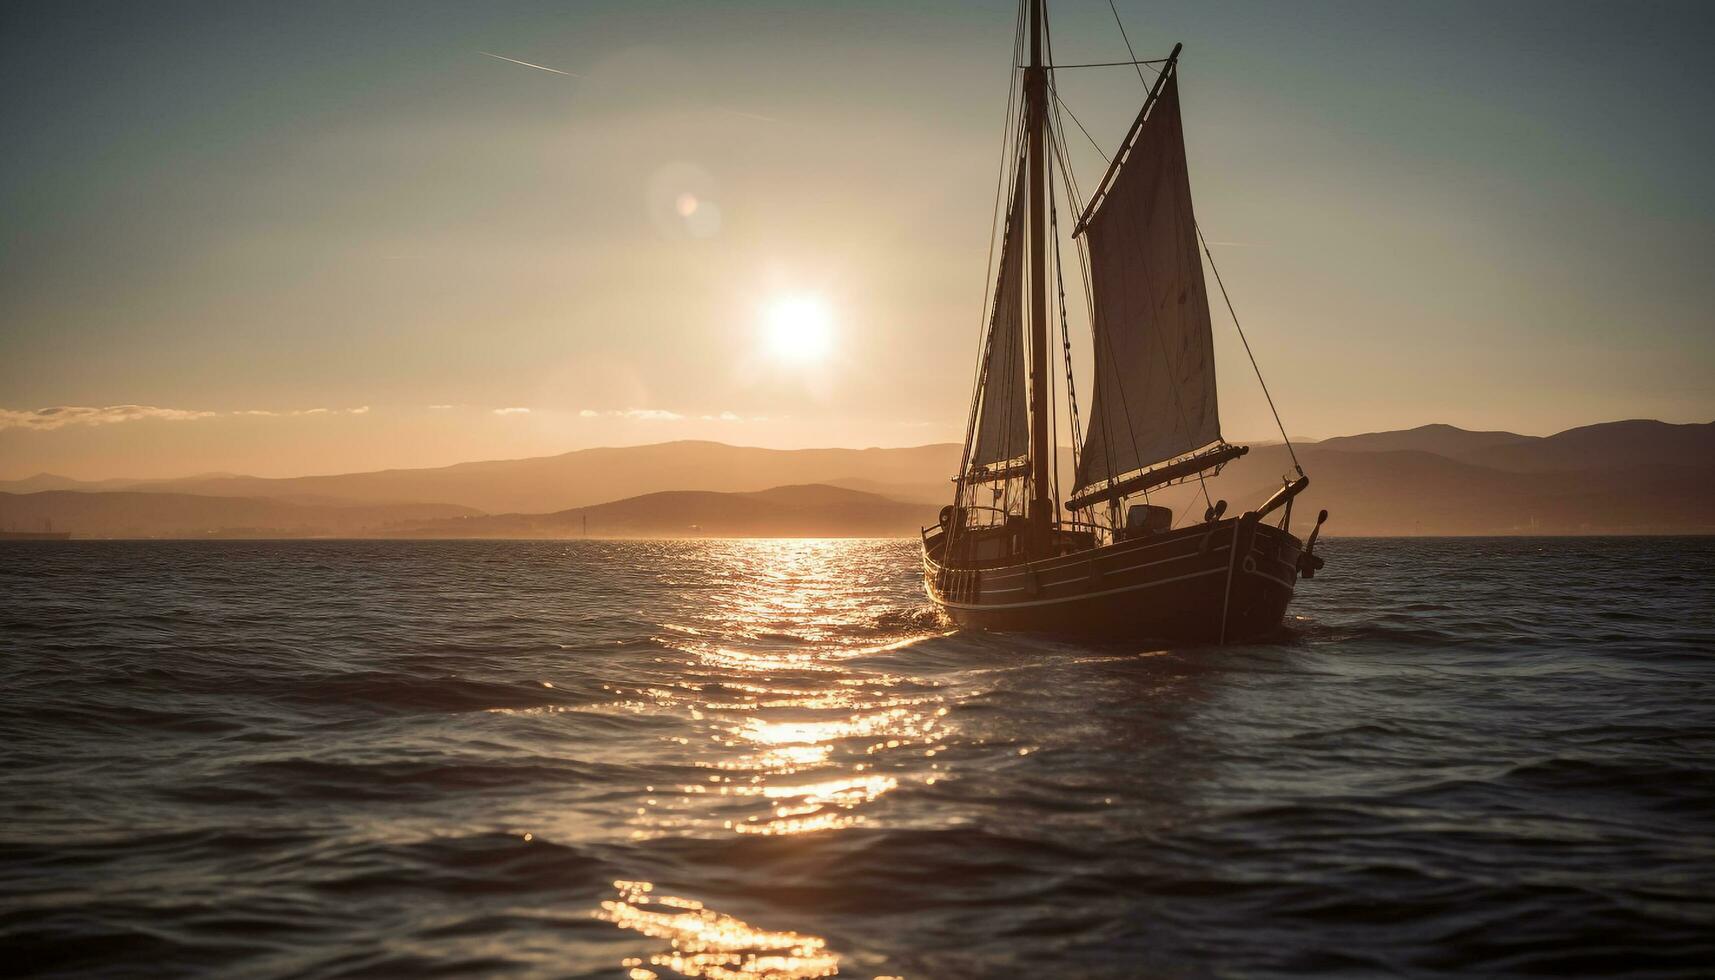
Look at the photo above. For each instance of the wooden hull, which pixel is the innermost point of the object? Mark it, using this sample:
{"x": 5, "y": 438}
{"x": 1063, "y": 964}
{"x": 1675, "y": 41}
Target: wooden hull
{"x": 1226, "y": 581}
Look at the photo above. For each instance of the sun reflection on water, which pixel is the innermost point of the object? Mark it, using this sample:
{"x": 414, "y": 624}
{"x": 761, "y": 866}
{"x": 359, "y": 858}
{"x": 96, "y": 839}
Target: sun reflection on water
{"x": 803, "y": 726}
{"x": 788, "y": 688}
{"x": 706, "y": 943}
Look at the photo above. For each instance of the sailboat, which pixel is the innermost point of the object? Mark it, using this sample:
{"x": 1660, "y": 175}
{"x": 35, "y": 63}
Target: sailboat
{"x": 1009, "y": 553}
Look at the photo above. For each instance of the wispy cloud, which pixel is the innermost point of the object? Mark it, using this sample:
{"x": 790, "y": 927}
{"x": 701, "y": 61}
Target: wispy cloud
{"x": 440, "y": 407}
{"x": 501, "y": 57}
{"x": 635, "y": 414}
{"x": 59, "y": 416}
{"x": 292, "y": 413}
{"x": 513, "y": 410}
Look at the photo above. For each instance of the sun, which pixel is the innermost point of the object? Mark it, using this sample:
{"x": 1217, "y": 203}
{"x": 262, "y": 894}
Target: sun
{"x": 798, "y": 328}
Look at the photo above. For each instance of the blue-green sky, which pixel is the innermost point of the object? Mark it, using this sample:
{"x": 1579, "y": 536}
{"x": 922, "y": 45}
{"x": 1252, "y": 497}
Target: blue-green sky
{"x": 228, "y": 216}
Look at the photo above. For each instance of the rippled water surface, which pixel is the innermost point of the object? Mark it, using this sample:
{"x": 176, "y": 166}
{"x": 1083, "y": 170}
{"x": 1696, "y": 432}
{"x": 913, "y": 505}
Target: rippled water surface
{"x": 768, "y": 759}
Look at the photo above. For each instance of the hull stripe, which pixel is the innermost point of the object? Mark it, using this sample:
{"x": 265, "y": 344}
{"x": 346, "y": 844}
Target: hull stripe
{"x": 1283, "y": 583}
{"x": 1105, "y": 572}
{"x": 1061, "y": 561}
{"x": 999, "y": 606}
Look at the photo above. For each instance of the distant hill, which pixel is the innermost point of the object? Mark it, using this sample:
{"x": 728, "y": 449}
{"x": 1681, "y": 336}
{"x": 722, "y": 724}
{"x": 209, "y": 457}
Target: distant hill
{"x": 51, "y": 481}
{"x": 592, "y": 476}
{"x": 134, "y": 514}
{"x": 1418, "y": 493}
{"x": 1442, "y": 440}
{"x": 814, "y": 510}
{"x": 1636, "y": 442}
{"x": 1618, "y": 477}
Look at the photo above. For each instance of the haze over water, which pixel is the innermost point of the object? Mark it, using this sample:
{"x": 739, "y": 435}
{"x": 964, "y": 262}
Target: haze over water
{"x": 767, "y": 759}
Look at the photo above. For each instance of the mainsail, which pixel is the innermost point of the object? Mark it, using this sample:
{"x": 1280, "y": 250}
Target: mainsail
{"x": 1003, "y": 425}
{"x": 1154, "y": 355}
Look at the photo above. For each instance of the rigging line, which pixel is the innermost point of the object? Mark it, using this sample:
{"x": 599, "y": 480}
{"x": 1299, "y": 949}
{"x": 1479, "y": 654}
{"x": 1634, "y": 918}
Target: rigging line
{"x": 1070, "y": 181}
{"x": 1010, "y": 158}
{"x": 1097, "y": 339}
{"x": 1277, "y": 423}
{"x": 1062, "y": 105}
{"x": 1048, "y": 368}
{"x": 1065, "y": 336}
{"x": 1067, "y": 177}
{"x": 1059, "y": 266}
{"x": 986, "y": 347}
{"x": 1053, "y": 393}
{"x": 1050, "y": 113}
{"x": 962, "y": 491}
{"x": 1053, "y": 400}
{"x": 1061, "y": 150}
{"x": 1128, "y": 50}
{"x": 1057, "y": 146}
{"x": 1056, "y": 134}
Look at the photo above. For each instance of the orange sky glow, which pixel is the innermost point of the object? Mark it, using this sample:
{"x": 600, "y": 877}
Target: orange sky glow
{"x": 305, "y": 239}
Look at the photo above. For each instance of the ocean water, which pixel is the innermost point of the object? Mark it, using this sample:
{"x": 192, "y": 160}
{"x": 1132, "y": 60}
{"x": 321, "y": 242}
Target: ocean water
{"x": 769, "y": 759}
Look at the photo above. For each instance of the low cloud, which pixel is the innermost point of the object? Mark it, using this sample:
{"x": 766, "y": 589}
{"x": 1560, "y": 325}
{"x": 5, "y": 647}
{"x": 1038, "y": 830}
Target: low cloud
{"x": 649, "y": 415}
{"x": 60, "y": 416}
{"x": 291, "y": 413}
{"x": 514, "y": 410}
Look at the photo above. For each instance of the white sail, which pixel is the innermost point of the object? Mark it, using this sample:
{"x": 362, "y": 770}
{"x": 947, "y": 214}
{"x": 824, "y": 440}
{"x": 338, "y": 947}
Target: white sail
{"x": 1003, "y": 424}
{"x": 1154, "y": 355}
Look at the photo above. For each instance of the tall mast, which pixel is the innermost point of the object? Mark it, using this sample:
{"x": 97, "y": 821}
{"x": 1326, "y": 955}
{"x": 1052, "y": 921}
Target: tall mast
{"x": 1041, "y": 450}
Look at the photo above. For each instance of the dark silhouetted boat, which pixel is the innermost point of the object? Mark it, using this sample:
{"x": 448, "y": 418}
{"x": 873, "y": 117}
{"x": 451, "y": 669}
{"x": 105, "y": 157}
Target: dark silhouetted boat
{"x": 1008, "y": 553}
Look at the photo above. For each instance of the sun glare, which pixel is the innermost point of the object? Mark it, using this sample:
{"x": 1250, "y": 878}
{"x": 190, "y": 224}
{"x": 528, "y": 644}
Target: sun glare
{"x": 798, "y": 328}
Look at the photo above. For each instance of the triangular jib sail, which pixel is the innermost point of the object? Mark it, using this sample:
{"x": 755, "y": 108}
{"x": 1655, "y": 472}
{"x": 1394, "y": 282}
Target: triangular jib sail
{"x": 1154, "y": 355}
{"x": 1003, "y": 425}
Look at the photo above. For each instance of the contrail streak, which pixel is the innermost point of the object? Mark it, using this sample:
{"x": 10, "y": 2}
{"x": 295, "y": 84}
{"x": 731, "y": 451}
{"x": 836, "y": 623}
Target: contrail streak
{"x": 572, "y": 74}
{"x": 569, "y": 74}
{"x": 746, "y": 115}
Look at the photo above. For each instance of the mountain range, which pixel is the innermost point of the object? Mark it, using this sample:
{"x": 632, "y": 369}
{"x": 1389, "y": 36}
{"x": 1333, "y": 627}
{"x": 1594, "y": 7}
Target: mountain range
{"x": 1636, "y": 476}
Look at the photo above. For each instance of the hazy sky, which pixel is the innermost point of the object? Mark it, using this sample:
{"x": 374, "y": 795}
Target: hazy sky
{"x": 313, "y": 237}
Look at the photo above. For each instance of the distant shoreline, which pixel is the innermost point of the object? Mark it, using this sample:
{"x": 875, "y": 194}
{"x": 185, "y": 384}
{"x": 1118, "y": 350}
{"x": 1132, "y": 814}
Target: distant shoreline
{"x": 1629, "y": 478}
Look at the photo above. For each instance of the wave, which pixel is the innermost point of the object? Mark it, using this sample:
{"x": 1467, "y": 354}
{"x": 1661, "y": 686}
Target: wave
{"x": 315, "y": 759}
